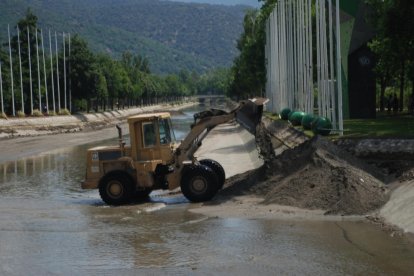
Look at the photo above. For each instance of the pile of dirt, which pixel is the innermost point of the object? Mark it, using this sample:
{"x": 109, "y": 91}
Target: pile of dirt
{"x": 316, "y": 175}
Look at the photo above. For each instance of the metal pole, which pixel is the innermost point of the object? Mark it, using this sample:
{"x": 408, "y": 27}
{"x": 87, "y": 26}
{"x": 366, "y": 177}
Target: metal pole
{"x": 51, "y": 72}
{"x": 331, "y": 66}
{"x": 290, "y": 55}
{"x": 1, "y": 92}
{"x": 295, "y": 56}
{"x": 326, "y": 65}
{"x": 57, "y": 72}
{"x": 276, "y": 52}
{"x": 38, "y": 73}
{"x": 303, "y": 55}
{"x": 310, "y": 56}
{"x": 70, "y": 82}
{"x": 11, "y": 72}
{"x": 318, "y": 61}
{"x": 64, "y": 68}
{"x": 323, "y": 62}
{"x": 339, "y": 69}
{"x": 283, "y": 47}
{"x": 30, "y": 71}
{"x": 44, "y": 73}
{"x": 20, "y": 65}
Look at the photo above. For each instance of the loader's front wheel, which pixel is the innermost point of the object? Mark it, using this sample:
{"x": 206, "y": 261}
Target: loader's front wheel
{"x": 116, "y": 189}
{"x": 199, "y": 183}
{"x": 217, "y": 168}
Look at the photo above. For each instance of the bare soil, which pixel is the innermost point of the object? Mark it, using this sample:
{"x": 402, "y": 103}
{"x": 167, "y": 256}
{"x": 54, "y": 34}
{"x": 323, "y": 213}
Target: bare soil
{"x": 315, "y": 174}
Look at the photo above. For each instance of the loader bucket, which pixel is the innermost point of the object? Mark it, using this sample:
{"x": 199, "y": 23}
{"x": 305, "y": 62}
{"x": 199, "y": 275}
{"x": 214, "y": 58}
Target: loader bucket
{"x": 250, "y": 113}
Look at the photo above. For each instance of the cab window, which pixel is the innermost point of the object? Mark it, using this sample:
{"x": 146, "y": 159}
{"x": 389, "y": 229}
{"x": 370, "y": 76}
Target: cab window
{"x": 166, "y": 132}
{"x": 149, "y": 134}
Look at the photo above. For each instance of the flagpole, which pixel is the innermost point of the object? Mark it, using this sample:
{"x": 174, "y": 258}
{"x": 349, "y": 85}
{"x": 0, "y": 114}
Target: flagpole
{"x": 51, "y": 72}
{"x": 38, "y": 73}
{"x": 339, "y": 68}
{"x": 20, "y": 65}
{"x": 44, "y": 73}
{"x": 11, "y": 72}
{"x": 64, "y": 68}
{"x": 1, "y": 92}
{"x": 57, "y": 72}
{"x": 70, "y": 81}
{"x": 30, "y": 71}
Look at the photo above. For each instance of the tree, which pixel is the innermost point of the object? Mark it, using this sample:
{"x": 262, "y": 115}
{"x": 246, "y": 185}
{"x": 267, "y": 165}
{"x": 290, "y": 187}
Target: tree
{"x": 384, "y": 64}
{"x": 5, "y": 83}
{"x": 83, "y": 72}
{"x": 101, "y": 89}
{"x": 394, "y": 40}
{"x": 249, "y": 69}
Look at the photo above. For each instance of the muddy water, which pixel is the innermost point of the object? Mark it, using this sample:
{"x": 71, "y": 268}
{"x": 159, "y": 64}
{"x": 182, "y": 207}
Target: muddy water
{"x": 48, "y": 225}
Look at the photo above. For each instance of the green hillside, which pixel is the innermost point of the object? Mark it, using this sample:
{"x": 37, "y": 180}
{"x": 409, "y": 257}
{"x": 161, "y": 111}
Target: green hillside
{"x": 172, "y": 35}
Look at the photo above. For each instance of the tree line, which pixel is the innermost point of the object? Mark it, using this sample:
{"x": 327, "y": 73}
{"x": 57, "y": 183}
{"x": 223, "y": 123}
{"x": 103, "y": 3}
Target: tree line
{"x": 94, "y": 81}
{"x": 393, "y": 45}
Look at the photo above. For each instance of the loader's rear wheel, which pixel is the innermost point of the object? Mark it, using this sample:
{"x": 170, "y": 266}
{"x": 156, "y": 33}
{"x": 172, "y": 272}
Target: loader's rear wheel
{"x": 199, "y": 183}
{"x": 116, "y": 189}
{"x": 217, "y": 168}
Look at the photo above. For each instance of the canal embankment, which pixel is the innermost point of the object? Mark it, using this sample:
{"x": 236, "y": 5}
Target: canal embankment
{"x": 46, "y": 125}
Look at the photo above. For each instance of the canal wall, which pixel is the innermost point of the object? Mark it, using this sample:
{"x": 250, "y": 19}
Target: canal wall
{"x": 35, "y": 126}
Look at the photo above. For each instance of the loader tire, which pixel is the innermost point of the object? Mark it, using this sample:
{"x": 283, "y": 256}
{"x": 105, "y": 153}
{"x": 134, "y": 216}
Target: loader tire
{"x": 199, "y": 183}
{"x": 116, "y": 189}
{"x": 217, "y": 168}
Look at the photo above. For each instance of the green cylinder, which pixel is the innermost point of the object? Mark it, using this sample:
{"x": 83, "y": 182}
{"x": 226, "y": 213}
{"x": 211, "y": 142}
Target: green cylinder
{"x": 322, "y": 126}
{"x": 284, "y": 115}
{"x": 296, "y": 118}
{"x": 307, "y": 121}
{"x": 290, "y": 114}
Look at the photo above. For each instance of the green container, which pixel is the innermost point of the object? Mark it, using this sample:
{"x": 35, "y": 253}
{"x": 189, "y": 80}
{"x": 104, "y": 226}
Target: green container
{"x": 290, "y": 114}
{"x": 322, "y": 126}
{"x": 284, "y": 115}
{"x": 296, "y": 118}
{"x": 307, "y": 121}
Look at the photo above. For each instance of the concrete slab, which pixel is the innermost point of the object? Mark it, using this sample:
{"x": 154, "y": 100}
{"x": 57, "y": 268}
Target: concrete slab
{"x": 399, "y": 210}
{"x": 233, "y": 147}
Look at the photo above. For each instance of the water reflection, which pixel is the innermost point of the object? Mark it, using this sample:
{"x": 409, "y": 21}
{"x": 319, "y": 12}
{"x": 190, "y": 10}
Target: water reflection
{"x": 58, "y": 172}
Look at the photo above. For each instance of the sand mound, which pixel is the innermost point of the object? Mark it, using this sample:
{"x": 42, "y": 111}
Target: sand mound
{"x": 317, "y": 175}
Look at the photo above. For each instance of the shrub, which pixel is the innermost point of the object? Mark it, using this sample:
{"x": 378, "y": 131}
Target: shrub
{"x": 37, "y": 113}
{"x": 21, "y": 114}
{"x": 3, "y": 115}
{"x": 64, "y": 112}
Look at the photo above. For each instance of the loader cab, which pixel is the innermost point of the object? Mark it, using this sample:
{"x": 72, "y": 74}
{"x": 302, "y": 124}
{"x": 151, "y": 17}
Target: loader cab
{"x": 152, "y": 137}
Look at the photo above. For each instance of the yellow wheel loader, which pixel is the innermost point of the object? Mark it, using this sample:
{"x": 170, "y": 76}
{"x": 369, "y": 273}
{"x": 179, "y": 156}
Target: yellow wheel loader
{"x": 155, "y": 160}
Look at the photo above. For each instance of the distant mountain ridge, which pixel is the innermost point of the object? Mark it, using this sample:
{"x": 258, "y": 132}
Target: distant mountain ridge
{"x": 172, "y": 35}
{"x": 252, "y": 3}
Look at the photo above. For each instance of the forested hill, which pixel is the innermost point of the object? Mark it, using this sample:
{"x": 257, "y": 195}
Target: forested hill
{"x": 172, "y": 35}
{"x": 253, "y": 3}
